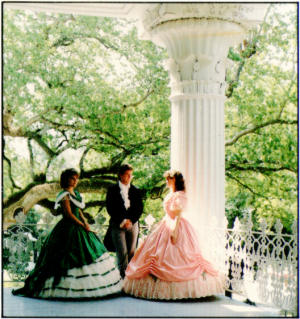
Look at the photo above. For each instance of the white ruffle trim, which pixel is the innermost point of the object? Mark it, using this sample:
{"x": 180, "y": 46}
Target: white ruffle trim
{"x": 76, "y": 202}
{"x": 154, "y": 288}
{"x": 95, "y": 280}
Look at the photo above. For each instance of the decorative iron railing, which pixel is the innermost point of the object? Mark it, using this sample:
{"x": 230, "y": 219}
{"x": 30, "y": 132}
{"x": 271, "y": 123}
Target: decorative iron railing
{"x": 261, "y": 265}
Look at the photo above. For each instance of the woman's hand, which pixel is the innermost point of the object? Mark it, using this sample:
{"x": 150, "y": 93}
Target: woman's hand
{"x": 176, "y": 212}
{"x": 174, "y": 238}
{"x": 86, "y": 226}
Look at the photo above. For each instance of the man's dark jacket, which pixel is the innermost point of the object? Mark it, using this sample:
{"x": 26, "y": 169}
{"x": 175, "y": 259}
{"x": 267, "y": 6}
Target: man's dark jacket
{"x": 117, "y": 211}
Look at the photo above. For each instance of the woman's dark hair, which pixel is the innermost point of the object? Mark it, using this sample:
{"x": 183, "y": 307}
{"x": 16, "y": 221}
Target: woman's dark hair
{"x": 179, "y": 180}
{"x": 65, "y": 175}
{"x": 124, "y": 168}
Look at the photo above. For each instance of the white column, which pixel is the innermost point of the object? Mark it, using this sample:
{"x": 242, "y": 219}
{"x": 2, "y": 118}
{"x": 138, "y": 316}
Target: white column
{"x": 197, "y": 134}
{"x": 197, "y": 37}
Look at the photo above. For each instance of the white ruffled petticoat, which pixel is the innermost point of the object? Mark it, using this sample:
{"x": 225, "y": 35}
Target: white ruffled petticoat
{"x": 150, "y": 287}
{"x": 98, "y": 279}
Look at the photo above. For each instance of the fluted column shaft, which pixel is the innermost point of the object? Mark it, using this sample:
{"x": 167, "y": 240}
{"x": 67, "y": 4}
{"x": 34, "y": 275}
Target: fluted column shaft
{"x": 197, "y": 71}
{"x": 197, "y": 37}
{"x": 197, "y": 149}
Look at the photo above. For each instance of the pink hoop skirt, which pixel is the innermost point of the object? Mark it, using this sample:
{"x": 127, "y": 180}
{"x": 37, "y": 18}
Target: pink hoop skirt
{"x": 163, "y": 270}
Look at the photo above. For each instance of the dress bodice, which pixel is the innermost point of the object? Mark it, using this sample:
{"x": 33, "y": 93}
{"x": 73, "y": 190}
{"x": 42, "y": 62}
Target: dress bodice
{"x": 174, "y": 201}
{"x": 76, "y": 202}
{"x": 74, "y": 208}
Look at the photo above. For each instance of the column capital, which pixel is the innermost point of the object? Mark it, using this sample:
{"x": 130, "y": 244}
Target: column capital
{"x": 197, "y": 76}
{"x": 197, "y": 37}
{"x": 199, "y": 28}
{"x": 246, "y": 15}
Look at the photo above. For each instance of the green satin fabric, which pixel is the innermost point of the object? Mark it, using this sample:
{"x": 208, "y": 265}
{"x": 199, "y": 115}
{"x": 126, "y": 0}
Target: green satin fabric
{"x": 68, "y": 245}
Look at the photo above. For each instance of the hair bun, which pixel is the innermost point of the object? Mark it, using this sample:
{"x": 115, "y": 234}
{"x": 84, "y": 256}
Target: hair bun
{"x": 172, "y": 173}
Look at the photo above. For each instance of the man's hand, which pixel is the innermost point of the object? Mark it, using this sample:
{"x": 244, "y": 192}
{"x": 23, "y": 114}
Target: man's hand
{"x": 128, "y": 224}
{"x": 122, "y": 225}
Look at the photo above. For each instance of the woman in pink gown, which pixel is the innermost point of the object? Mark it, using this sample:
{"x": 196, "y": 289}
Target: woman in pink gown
{"x": 169, "y": 264}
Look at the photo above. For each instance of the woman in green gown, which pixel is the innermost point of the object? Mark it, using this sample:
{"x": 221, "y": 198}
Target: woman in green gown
{"x": 73, "y": 263}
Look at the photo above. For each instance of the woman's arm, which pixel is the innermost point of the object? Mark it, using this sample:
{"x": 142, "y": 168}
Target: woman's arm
{"x": 68, "y": 212}
{"x": 175, "y": 231}
{"x": 177, "y": 206}
{"x": 82, "y": 217}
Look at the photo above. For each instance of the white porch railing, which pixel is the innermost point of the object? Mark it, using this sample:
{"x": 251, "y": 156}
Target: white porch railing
{"x": 261, "y": 265}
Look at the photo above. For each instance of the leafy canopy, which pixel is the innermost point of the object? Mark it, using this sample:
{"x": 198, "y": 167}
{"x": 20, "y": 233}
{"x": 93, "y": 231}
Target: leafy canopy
{"x": 86, "y": 92}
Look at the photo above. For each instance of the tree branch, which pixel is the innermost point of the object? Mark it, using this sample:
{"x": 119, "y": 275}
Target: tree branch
{"x": 31, "y": 158}
{"x": 66, "y": 41}
{"x": 38, "y": 138}
{"x": 260, "y": 169}
{"x": 10, "y": 172}
{"x": 243, "y": 185}
{"x": 8, "y": 127}
{"x": 81, "y": 165}
{"x": 164, "y": 138}
{"x": 126, "y": 106}
{"x": 60, "y": 126}
{"x": 110, "y": 46}
{"x": 248, "y": 52}
{"x": 46, "y": 203}
{"x": 135, "y": 104}
{"x": 91, "y": 182}
{"x": 37, "y": 191}
{"x": 257, "y": 127}
{"x": 103, "y": 172}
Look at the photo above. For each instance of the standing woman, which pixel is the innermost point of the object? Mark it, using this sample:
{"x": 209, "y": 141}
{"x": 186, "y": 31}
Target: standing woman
{"x": 73, "y": 263}
{"x": 169, "y": 264}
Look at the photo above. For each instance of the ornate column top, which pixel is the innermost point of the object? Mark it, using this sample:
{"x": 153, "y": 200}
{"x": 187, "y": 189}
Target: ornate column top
{"x": 197, "y": 37}
{"x": 246, "y": 15}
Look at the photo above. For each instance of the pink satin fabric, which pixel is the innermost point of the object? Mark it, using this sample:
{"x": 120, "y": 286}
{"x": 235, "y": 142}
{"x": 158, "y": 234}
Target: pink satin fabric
{"x": 170, "y": 262}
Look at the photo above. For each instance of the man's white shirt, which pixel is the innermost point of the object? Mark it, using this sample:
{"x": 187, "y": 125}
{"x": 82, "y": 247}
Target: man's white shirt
{"x": 124, "y": 189}
{"x": 124, "y": 193}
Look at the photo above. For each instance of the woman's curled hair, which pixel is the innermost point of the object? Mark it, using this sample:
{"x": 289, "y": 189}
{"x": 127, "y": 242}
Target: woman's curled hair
{"x": 179, "y": 180}
{"x": 65, "y": 175}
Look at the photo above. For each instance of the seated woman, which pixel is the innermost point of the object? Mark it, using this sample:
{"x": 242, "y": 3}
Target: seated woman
{"x": 169, "y": 264}
{"x": 73, "y": 263}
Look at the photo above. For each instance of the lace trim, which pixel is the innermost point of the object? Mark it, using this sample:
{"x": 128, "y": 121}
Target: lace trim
{"x": 154, "y": 288}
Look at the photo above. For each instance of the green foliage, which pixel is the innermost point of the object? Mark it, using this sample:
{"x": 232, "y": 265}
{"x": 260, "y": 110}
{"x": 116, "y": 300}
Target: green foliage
{"x": 86, "y": 83}
{"x": 261, "y": 167}
{"x": 87, "y": 93}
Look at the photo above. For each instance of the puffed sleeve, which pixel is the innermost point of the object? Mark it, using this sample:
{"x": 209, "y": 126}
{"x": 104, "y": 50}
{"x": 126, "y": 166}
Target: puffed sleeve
{"x": 178, "y": 201}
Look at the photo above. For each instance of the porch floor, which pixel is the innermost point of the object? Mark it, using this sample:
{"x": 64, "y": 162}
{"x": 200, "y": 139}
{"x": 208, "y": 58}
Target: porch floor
{"x": 126, "y": 306}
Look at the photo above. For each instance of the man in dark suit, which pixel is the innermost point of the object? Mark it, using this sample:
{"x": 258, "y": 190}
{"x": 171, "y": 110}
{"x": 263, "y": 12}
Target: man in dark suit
{"x": 124, "y": 205}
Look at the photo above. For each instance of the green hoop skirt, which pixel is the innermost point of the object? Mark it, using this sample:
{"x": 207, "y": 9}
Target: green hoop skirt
{"x": 73, "y": 263}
